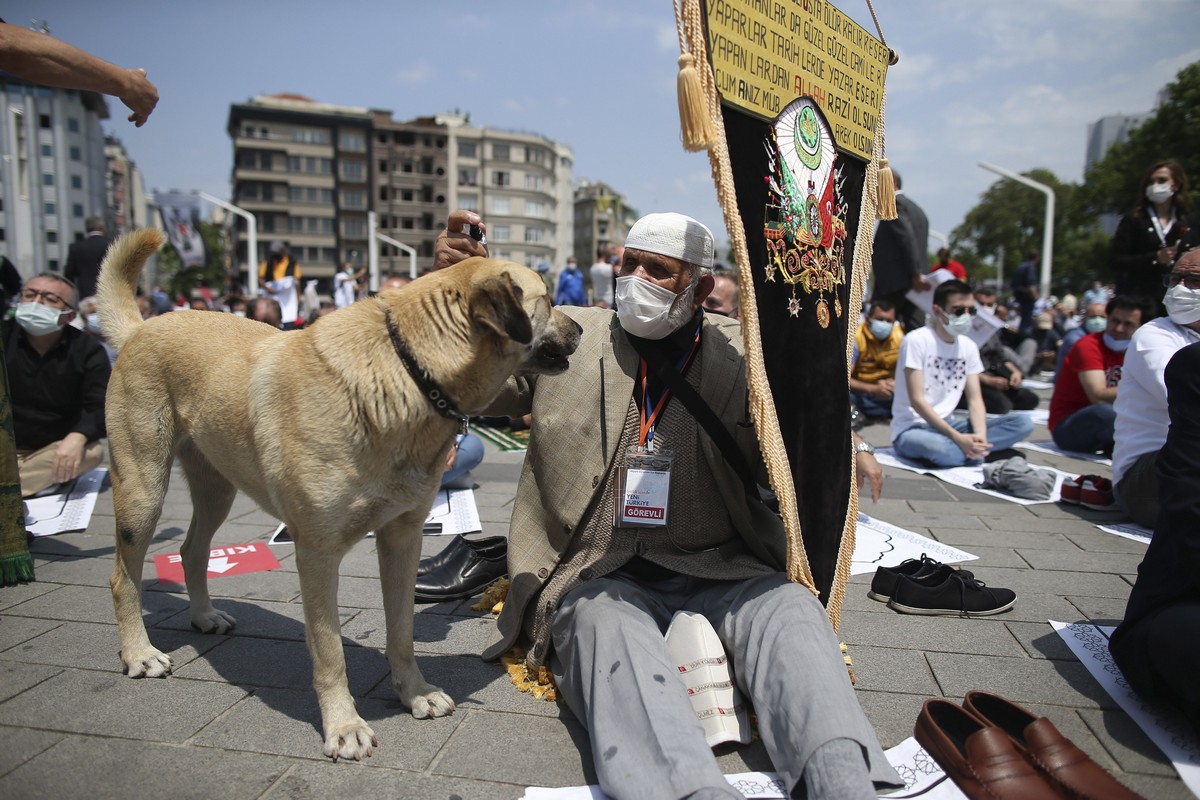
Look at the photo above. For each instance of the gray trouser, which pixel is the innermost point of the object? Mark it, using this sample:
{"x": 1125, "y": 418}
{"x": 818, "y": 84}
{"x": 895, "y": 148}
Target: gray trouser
{"x": 612, "y": 667}
{"x": 1137, "y": 493}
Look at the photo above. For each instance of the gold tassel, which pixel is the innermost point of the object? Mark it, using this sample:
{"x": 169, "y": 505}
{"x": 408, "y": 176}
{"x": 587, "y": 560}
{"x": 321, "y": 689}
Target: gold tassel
{"x": 694, "y": 121}
{"x": 887, "y": 192}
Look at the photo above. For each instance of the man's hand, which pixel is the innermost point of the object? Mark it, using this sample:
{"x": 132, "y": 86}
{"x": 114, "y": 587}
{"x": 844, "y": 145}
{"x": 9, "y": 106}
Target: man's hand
{"x": 995, "y": 381}
{"x": 973, "y": 445}
{"x": 885, "y": 388}
{"x": 1014, "y": 375}
{"x": 454, "y": 244}
{"x": 920, "y": 284}
{"x": 68, "y": 457}
{"x": 140, "y": 95}
{"x": 866, "y": 467}
{"x": 452, "y": 457}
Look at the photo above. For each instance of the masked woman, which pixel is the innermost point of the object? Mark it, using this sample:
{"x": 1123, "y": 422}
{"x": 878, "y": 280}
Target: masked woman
{"x": 1147, "y": 238}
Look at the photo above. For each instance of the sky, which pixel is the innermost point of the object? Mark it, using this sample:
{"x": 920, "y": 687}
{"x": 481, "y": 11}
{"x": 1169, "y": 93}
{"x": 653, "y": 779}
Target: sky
{"x": 1014, "y": 83}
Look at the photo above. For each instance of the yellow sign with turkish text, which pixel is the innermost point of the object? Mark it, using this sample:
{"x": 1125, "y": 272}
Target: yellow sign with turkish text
{"x": 766, "y": 53}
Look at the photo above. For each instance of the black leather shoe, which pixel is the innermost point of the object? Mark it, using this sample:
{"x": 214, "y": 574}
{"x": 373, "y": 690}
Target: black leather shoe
{"x": 462, "y": 577}
{"x": 493, "y": 545}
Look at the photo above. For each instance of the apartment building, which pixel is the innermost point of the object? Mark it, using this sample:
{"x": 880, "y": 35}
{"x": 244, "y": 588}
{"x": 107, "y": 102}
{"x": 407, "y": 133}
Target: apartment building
{"x": 520, "y": 183}
{"x": 602, "y": 217}
{"x": 412, "y": 185}
{"x": 302, "y": 167}
{"x": 128, "y": 206}
{"x": 53, "y": 173}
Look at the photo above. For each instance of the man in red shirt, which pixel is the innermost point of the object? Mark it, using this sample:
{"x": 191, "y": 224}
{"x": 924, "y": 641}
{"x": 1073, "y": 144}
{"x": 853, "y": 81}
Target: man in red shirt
{"x": 1081, "y": 410}
{"x": 944, "y": 261}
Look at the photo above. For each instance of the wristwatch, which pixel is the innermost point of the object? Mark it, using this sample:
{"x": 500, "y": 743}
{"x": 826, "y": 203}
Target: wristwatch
{"x": 864, "y": 447}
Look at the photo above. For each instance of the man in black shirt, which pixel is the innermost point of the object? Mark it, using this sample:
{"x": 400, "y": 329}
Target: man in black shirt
{"x": 85, "y": 257}
{"x": 58, "y": 376}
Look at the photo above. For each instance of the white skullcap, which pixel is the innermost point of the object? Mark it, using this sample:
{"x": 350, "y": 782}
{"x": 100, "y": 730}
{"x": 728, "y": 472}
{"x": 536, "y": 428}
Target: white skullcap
{"x": 673, "y": 235}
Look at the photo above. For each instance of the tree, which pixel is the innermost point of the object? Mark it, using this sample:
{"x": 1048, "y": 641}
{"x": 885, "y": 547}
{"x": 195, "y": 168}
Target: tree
{"x": 1172, "y": 131}
{"x": 178, "y": 280}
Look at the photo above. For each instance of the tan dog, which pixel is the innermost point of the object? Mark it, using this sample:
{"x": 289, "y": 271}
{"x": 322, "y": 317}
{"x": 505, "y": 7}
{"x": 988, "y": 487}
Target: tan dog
{"x": 325, "y": 428}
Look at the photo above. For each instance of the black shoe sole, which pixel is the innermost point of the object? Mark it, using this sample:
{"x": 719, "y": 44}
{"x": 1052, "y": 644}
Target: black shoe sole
{"x": 949, "y": 612}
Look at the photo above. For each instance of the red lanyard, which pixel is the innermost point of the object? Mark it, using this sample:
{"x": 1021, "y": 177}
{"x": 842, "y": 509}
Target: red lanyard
{"x": 648, "y": 420}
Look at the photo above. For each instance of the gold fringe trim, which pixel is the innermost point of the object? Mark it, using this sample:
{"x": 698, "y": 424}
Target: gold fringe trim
{"x": 849, "y": 663}
{"x": 695, "y": 123}
{"x": 887, "y": 187}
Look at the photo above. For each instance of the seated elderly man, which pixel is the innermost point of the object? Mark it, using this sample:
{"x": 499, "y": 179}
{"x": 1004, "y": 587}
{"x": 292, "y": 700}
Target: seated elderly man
{"x": 58, "y": 376}
{"x": 876, "y": 349}
{"x": 594, "y": 585}
{"x": 1095, "y": 320}
{"x": 1081, "y": 409}
{"x": 1141, "y": 405}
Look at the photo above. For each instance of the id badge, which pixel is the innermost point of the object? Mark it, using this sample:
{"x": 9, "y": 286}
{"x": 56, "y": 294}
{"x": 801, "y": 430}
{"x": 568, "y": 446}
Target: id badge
{"x": 644, "y": 489}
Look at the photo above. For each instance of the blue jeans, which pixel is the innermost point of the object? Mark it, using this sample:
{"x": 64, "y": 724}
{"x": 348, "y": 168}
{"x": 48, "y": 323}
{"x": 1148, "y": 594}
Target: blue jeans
{"x": 470, "y": 455}
{"x": 1088, "y": 430}
{"x": 870, "y": 405}
{"x": 923, "y": 443}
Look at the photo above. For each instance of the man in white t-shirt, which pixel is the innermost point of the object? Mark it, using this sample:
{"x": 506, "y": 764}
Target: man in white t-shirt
{"x": 345, "y": 285}
{"x": 936, "y": 366}
{"x": 1141, "y": 405}
{"x": 601, "y": 274}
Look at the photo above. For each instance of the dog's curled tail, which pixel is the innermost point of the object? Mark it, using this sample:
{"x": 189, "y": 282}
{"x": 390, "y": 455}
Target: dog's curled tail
{"x": 116, "y": 287}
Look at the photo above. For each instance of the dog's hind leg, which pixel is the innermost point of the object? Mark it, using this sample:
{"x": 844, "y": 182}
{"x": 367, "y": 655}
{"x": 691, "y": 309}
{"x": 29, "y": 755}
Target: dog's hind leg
{"x": 212, "y": 496}
{"x": 140, "y": 468}
{"x": 398, "y": 544}
{"x": 347, "y": 735}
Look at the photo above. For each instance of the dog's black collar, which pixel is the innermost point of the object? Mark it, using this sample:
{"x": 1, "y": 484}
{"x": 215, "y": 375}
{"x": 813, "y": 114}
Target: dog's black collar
{"x": 433, "y": 392}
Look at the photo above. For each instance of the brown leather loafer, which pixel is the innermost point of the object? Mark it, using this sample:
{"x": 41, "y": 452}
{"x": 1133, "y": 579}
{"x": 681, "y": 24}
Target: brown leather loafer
{"x": 1054, "y": 755}
{"x": 981, "y": 760}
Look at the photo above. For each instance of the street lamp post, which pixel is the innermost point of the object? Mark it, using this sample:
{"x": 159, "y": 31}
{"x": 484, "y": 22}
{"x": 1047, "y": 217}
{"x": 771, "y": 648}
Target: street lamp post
{"x": 374, "y": 237}
{"x": 1048, "y": 232}
{"x": 251, "y": 240}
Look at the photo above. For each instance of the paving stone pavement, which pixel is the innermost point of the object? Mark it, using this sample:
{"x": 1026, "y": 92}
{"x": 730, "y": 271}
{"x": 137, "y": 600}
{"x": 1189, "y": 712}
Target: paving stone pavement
{"x": 238, "y": 719}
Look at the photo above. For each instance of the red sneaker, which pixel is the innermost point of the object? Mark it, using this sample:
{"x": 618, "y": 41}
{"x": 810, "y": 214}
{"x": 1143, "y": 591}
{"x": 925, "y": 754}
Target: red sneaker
{"x": 1096, "y": 493}
{"x": 1069, "y": 493}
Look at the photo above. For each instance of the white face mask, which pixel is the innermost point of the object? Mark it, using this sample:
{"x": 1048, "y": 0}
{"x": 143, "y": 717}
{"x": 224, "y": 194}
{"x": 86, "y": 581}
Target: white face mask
{"x": 958, "y": 326}
{"x": 1116, "y": 345}
{"x": 648, "y": 310}
{"x": 1183, "y": 304}
{"x": 881, "y": 329}
{"x": 93, "y": 323}
{"x": 1159, "y": 192}
{"x": 38, "y": 319}
{"x": 1095, "y": 324}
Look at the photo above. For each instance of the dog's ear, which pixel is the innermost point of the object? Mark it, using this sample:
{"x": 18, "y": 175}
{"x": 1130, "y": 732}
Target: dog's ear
{"x": 496, "y": 304}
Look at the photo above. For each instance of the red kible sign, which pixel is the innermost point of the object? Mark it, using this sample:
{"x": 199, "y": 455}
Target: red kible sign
{"x": 236, "y": 559}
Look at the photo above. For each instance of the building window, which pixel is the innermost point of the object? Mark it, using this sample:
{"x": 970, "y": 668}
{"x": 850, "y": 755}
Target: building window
{"x": 501, "y": 205}
{"x": 47, "y": 179}
{"x": 535, "y": 155}
{"x": 470, "y": 202}
{"x": 295, "y": 224}
{"x": 407, "y": 223}
{"x": 76, "y": 154}
{"x": 51, "y": 237}
{"x": 383, "y": 165}
{"x": 352, "y": 141}
{"x": 406, "y": 195}
{"x": 383, "y": 194}
{"x": 533, "y": 182}
{"x": 406, "y": 165}
{"x": 535, "y": 235}
{"x": 354, "y": 199}
{"x": 468, "y": 176}
{"x": 73, "y": 124}
{"x": 310, "y": 135}
{"x": 44, "y": 120}
{"x": 354, "y": 227}
{"x": 77, "y": 211}
{"x": 500, "y": 178}
{"x": 47, "y": 150}
{"x": 500, "y": 152}
{"x": 500, "y": 233}
{"x": 534, "y": 208}
{"x": 76, "y": 182}
{"x": 50, "y": 208}
{"x": 467, "y": 149}
{"x": 353, "y": 170}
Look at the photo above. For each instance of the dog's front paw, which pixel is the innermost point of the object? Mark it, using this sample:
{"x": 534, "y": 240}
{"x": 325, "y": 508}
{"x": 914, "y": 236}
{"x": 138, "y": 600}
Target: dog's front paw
{"x": 212, "y": 621}
{"x": 350, "y": 740}
{"x": 151, "y": 663}
{"x": 431, "y": 703}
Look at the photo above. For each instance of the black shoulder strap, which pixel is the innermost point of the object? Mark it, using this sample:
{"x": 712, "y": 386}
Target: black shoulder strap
{"x": 699, "y": 410}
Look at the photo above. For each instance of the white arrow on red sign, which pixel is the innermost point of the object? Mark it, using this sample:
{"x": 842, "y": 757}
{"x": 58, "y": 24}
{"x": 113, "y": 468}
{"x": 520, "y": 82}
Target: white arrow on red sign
{"x": 220, "y": 565}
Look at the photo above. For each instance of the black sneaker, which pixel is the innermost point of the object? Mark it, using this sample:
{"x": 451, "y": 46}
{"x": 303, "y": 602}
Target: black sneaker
{"x": 883, "y": 585}
{"x": 949, "y": 592}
